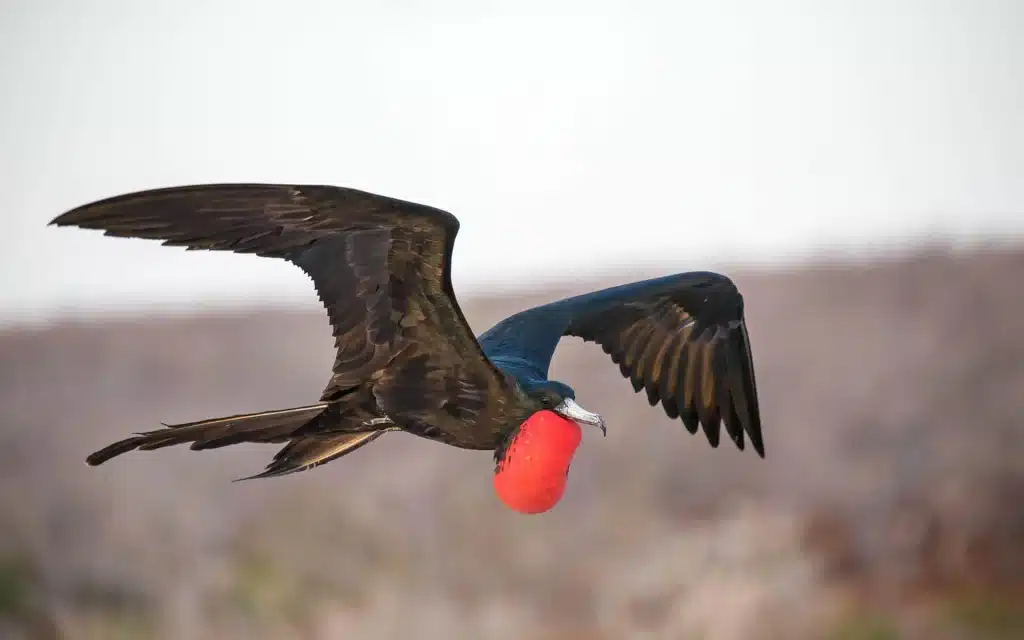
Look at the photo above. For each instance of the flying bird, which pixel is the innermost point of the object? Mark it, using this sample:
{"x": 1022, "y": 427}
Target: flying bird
{"x": 406, "y": 358}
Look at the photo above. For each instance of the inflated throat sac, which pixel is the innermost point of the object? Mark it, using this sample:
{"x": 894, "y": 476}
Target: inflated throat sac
{"x": 531, "y": 477}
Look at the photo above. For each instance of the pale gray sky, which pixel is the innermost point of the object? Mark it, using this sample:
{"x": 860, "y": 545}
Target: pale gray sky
{"x": 569, "y": 137}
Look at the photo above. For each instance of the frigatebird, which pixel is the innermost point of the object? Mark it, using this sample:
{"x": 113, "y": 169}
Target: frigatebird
{"x": 407, "y": 359}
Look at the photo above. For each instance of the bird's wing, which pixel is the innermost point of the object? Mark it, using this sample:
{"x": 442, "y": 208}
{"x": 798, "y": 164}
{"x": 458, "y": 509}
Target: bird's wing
{"x": 381, "y": 267}
{"x": 682, "y": 338}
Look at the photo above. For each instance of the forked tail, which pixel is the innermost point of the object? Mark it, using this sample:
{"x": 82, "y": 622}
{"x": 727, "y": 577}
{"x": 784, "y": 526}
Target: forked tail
{"x": 312, "y": 439}
{"x": 267, "y": 426}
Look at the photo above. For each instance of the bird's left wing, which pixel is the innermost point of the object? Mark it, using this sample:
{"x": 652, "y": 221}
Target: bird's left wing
{"x": 381, "y": 266}
{"x": 682, "y": 338}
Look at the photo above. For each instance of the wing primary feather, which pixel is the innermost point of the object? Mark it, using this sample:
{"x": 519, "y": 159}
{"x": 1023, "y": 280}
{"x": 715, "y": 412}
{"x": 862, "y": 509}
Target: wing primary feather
{"x": 646, "y": 337}
{"x": 691, "y": 378}
{"x": 652, "y": 394}
{"x": 637, "y": 352}
{"x": 689, "y": 359}
{"x": 653, "y": 364}
{"x": 670, "y": 376}
{"x": 706, "y": 409}
{"x": 749, "y": 384}
{"x": 741, "y": 389}
{"x": 733, "y": 425}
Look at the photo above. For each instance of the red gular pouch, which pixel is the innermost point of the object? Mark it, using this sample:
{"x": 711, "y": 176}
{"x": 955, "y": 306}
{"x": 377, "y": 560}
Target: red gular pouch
{"x": 531, "y": 477}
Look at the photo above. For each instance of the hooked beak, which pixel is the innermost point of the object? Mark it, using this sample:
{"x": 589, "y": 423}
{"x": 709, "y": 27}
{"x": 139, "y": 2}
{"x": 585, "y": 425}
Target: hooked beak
{"x": 569, "y": 409}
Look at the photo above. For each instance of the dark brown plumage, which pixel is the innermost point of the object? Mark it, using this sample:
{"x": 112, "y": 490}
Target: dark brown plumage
{"x": 681, "y": 338}
{"x": 406, "y": 357}
{"x": 701, "y": 377}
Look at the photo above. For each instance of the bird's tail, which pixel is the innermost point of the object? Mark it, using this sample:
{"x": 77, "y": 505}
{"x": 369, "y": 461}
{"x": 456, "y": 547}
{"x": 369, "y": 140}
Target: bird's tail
{"x": 267, "y": 426}
{"x": 306, "y": 452}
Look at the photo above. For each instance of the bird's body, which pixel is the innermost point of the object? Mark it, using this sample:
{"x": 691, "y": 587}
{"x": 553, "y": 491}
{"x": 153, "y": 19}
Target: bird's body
{"x": 406, "y": 357}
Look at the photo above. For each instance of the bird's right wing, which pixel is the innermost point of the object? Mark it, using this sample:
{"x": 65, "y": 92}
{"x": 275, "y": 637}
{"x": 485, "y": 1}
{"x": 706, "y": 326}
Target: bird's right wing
{"x": 681, "y": 338}
{"x": 381, "y": 266}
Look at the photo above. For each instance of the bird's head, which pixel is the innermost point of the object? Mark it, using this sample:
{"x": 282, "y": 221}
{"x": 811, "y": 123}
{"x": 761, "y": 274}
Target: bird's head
{"x": 561, "y": 398}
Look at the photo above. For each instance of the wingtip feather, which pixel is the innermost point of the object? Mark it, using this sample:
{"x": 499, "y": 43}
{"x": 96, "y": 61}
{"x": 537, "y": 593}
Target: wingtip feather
{"x": 113, "y": 450}
{"x": 758, "y": 446}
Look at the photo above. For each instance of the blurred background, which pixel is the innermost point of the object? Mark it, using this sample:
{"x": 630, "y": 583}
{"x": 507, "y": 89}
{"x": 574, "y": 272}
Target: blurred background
{"x": 856, "y": 168}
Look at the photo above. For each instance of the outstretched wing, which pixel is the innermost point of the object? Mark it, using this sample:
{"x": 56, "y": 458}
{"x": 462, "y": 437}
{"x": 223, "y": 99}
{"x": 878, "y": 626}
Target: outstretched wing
{"x": 682, "y": 338}
{"x": 381, "y": 267}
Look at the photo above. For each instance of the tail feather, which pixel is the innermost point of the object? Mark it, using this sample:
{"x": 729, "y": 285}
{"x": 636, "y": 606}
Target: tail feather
{"x": 266, "y": 426}
{"x": 307, "y": 452}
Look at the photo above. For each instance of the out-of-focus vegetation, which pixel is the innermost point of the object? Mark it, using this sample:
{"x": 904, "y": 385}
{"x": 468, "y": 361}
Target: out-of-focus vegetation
{"x": 888, "y": 507}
